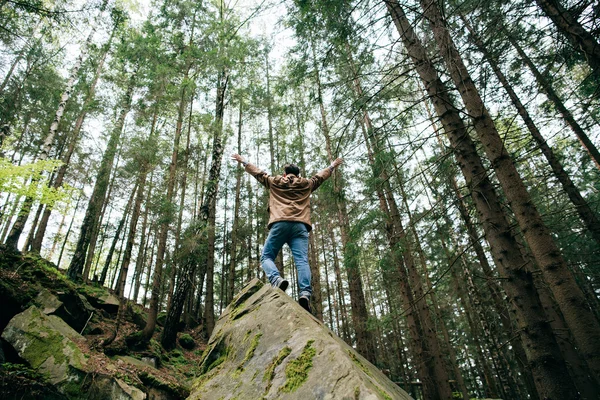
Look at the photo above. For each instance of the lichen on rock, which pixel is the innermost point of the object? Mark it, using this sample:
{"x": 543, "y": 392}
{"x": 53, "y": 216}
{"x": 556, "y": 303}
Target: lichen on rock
{"x": 291, "y": 355}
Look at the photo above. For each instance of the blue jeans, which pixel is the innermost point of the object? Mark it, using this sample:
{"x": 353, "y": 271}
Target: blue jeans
{"x": 295, "y": 234}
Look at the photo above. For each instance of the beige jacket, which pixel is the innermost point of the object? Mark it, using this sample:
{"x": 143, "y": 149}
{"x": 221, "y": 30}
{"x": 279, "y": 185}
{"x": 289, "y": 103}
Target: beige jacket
{"x": 289, "y": 198}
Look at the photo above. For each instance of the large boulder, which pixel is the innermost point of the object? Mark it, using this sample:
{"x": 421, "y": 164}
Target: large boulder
{"x": 47, "y": 343}
{"x": 71, "y": 307}
{"x": 51, "y": 347}
{"x": 265, "y": 346}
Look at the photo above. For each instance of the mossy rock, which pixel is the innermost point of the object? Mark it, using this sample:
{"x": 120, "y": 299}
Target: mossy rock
{"x": 46, "y": 343}
{"x": 161, "y": 318}
{"x": 187, "y": 342}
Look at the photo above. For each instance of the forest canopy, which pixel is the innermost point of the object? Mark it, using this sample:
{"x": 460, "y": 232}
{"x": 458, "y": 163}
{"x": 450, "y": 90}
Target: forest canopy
{"x": 457, "y": 248}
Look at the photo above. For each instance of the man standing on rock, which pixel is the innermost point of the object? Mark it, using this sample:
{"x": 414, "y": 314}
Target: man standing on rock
{"x": 289, "y": 221}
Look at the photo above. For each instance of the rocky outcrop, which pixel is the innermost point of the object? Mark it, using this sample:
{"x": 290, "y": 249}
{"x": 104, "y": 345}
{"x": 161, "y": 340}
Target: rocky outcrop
{"x": 51, "y": 347}
{"x": 47, "y": 343}
{"x": 265, "y": 346}
{"x": 71, "y": 307}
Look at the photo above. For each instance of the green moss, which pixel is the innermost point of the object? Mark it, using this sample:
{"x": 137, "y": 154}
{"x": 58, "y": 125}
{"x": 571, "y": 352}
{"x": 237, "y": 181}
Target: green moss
{"x": 358, "y": 363}
{"x": 356, "y": 393}
{"x": 187, "y": 342}
{"x": 152, "y": 381}
{"x": 296, "y": 372}
{"x": 270, "y": 372}
{"x": 249, "y": 355}
{"x": 44, "y": 343}
{"x": 366, "y": 371}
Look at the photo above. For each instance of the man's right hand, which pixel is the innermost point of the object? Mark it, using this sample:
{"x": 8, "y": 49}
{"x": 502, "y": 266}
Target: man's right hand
{"x": 237, "y": 158}
{"x": 338, "y": 161}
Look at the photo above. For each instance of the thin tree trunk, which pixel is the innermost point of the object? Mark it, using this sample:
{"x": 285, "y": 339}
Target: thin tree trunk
{"x": 183, "y": 185}
{"x": 135, "y": 214}
{"x": 340, "y": 291}
{"x": 92, "y": 214}
{"x": 17, "y": 229}
{"x": 62, "y": 249}
{"x": 210, "y": 200}
{"x": 547, "y": 89}
{"x": 364, "y": 344}
{"x": 206, "y": 220}
{"x": 36, "y": 245}
{"x": 122, "y": 222}
{"x": 588, "y": 217}
{"x": 236, "y": 216}
{"x": 148, "y": 331}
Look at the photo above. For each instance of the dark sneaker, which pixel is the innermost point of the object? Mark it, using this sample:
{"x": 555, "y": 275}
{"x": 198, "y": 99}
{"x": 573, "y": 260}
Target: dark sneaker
{"x": 305, "y": 303}
{"x": 281, "y": 283}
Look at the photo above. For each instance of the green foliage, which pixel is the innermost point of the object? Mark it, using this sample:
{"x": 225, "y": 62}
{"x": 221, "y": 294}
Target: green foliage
{"x": 31, "y": 180}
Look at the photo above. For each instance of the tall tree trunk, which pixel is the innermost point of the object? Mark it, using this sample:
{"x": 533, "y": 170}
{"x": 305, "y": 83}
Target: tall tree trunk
{"x": 495, "y": 292}
{"x": 148, "y": 331}
{"x": 62, "y": 249}
{"x": 210, "y": 200}
{"x": 547, "y": 365}
{"x": 569, "y": 296}
{"x": 183, "y": 185}
{"x": 36, "y": 245}
{"x": 588, "y": 217}
{"x": 113, "y": 246}
{"x": 120, "y": 289}
{"x": 91, "y": 251}
{"x": 236, "y": 216}
{"x": 426, "y": 344}
{"x": 204, "y": 223}
{"x": 345, "y": 331}
{"x": 581, "y": 40}
{"x": 364, "y": 344}
{"x": 548, "y": 90}
{"x": 92, "y": 213}
{"x": 13, "y": 237}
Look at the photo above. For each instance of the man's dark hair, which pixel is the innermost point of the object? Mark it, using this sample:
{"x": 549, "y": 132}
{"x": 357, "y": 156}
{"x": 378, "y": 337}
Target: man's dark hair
{"x": 292, "y": 169}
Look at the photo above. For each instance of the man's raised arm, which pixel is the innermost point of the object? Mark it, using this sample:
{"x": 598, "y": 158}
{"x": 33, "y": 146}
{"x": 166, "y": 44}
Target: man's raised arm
{"x": 324, "y": 174}
{"x": 253, "y": 170}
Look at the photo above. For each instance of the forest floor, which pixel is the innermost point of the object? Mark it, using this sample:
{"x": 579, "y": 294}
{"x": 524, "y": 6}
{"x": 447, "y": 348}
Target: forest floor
{"x": 24, "y": 276}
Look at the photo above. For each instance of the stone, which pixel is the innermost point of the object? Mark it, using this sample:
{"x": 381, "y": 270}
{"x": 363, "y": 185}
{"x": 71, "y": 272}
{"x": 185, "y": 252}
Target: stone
{"x": 47, "y": 343}
{"x": 109, "y": 303}
{"x": 265, "y": 346}
{"x": 134, "y": 361}
{"x": 106, "y": 387}
{"x": 187, "y": 342}
{"x": 71, "y": 307}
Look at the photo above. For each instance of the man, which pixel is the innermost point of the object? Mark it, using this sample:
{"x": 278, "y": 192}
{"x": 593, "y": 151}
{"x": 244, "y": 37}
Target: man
{"x": 289, "y": 221}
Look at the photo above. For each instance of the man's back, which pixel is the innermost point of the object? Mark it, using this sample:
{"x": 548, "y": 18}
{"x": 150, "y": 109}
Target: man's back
{"x": 289, "y": 198}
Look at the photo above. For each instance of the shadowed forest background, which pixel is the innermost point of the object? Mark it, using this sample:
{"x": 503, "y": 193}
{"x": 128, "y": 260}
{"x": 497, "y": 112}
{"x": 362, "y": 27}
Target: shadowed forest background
{"x": 457, "y": 248}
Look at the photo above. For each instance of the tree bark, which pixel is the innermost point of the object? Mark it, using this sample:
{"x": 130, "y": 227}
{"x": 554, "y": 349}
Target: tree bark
{"x": 569, "y": 296}
{"x": 113, "y": 246}
{"x": 13, "y": 237}
{"x": 547, "y": 88}
{"x": 547, "y": 364}
{"x": 588, "y": 217}
{"x": 236, "y": 216}
{"x": 148, "y": 331}
{"x": 581, "y": 40}
{"x": 364, "y": 344}
{"x": 92, "y": 214}
{"x": 36, "y": 245}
